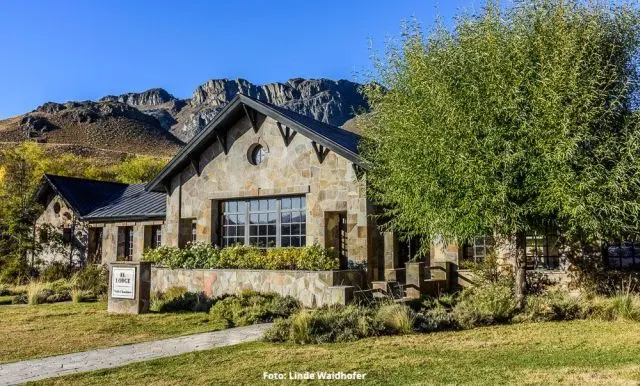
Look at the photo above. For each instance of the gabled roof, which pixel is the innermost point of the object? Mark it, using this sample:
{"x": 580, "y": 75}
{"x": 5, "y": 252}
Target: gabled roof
{"x": 342, "y": 142}
{"x": 104, "y": 201}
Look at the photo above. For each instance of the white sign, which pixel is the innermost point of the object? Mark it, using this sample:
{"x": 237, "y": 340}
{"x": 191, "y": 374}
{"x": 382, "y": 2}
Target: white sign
{"x": 123, "y": 282}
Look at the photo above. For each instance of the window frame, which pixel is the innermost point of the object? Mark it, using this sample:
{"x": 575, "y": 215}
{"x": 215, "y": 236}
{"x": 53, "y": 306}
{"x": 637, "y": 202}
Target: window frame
{"x": 230, "y": 231}
{"x": 156, "y": 236}
{"x": 128, "y": 243}
{"x": 470, "y": 252}
{"x": 545, "y": 260}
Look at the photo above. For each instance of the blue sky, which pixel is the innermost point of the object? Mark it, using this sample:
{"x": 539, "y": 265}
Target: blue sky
{"x": 78, "y": 50}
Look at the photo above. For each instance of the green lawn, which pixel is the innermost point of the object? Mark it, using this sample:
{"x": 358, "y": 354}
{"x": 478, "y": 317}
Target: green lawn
{"x": 50, "y": 329}
{"x": 565, "y": 352}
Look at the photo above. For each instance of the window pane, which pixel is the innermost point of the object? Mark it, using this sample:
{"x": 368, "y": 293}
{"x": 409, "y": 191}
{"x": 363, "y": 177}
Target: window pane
{"x": 242, "y": 206}
{"x": 285, "y": 203}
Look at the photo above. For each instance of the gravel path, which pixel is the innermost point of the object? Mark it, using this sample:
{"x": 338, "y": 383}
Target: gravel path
{"x": 35, "y": 369}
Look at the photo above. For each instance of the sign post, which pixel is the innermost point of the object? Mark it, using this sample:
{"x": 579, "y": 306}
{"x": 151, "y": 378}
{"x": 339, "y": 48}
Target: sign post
{"x": 129, "y": 287}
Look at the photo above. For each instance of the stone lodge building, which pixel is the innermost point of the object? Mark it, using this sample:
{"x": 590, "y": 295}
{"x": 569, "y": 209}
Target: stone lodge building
{"x": 257, "y": 174}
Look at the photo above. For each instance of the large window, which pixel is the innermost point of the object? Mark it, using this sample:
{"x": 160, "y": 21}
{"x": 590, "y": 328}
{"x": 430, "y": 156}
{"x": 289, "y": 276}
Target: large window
{"x": 265, "y": 222}
{"x": 542, "y": 251}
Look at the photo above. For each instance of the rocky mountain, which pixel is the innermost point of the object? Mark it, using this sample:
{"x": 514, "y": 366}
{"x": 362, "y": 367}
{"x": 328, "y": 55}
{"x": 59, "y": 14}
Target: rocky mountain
{"x": 156, "y": 122}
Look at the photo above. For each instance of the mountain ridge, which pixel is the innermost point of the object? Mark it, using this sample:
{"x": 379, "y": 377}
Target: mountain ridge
{"x": 156, "y": 122}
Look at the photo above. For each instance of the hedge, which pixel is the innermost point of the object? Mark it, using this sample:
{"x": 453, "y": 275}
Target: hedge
{"x": 206, "y": 256}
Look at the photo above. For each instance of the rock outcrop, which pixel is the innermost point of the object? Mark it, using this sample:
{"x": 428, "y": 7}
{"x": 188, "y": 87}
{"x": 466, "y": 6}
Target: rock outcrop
{"x": 138, "y": 122}
{"x": 326, "y": 100}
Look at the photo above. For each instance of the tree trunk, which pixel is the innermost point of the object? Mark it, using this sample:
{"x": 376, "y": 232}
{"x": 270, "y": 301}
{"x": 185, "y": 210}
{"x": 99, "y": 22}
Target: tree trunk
{"x": 520, "y": 269}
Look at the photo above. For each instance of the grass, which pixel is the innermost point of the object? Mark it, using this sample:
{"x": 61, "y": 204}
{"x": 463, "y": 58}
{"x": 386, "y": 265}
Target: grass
{"x": 4, "y": 300}
{"x": 536, "y": 353}
{"x": 50, "y": 329}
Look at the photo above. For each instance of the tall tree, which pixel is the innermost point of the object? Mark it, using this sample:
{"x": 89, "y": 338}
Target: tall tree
{"x": 514, "y": 121}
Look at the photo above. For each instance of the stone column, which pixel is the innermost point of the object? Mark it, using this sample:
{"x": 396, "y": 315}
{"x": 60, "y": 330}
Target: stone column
{"x": 129, "y": 287}
{"x": 392, "y": 272}
{"x": 415, "y": 279}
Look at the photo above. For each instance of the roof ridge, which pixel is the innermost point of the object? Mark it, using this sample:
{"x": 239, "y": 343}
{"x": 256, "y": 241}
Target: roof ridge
{"x": 87, "y": 179}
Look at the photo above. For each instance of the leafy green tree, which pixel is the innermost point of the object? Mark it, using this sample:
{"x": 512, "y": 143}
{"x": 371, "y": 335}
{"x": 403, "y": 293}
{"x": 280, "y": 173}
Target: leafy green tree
{"x": 137, "y": 169}
{"x": 516, "y": 120}
{"x": 22, "y": 167}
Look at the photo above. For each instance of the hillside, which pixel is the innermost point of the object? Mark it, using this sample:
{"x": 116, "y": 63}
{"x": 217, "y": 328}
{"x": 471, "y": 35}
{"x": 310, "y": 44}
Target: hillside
{"x": 154, "y": 122}
{"x": 110, "y": 126}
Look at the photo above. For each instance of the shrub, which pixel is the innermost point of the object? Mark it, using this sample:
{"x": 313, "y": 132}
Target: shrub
{"x": 435, "y": 319}
{"x": 178, "y": 299}
{"x": 55, "y": 271}
{"x": 396, "y": 318}
{"x": 242, "y": 257}
{"x": 485, "y": 304}
{"x": 20, "y": 299}
{"x": 35, "y": 293}
{"x": 164, "y": 256}
{"x": 550, "y": 306}
{"x": 91, "y": 278}
{"x": 81, "y": 296}
{"x": 327, "y": 325}
{"x": 623, "y": 306}
{"x": 202, "y": 255}
{"x": 249, "y": 307}
{"x": 280, "y": 331}
{"x": 5, "y": 290}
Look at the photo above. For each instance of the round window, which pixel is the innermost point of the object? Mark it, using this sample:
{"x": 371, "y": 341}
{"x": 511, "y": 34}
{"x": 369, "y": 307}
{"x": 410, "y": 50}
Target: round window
{"x": 257, "y": 154}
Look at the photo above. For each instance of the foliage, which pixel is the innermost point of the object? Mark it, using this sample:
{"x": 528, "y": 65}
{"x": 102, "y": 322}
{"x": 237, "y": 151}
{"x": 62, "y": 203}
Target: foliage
{"x": 202, "y": 255}
{"x": 92, "y": 279}
{"x": 137, "y": 169}
{"x": 249, "y": 307}
{"x": 518, "y": 119}
{"x": 38, "y": 292}
{"x": 529, "y": 115}
{"x": 553, "y": 305}
{"x": 55, "y": 270}
{"x": 485, "y": 304}
{"x": 177, "y": 299}
{"x": 437, "y": 318}
{"x": 327, "y": 325}
{"x": 194, "y": 256}
{"x": 81, "y": 296}
{"x": 396, "y": 318}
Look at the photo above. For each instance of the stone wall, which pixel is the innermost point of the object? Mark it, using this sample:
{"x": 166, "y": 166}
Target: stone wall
{"x": 329, "y": 186}
{"x": 54, "y": 219}
{"x": 312, "y": 288}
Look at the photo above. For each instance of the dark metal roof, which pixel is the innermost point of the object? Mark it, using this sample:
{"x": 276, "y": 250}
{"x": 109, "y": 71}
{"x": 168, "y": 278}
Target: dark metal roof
{"x": 342, "y": 142}
{"x": 104, "y": 201}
